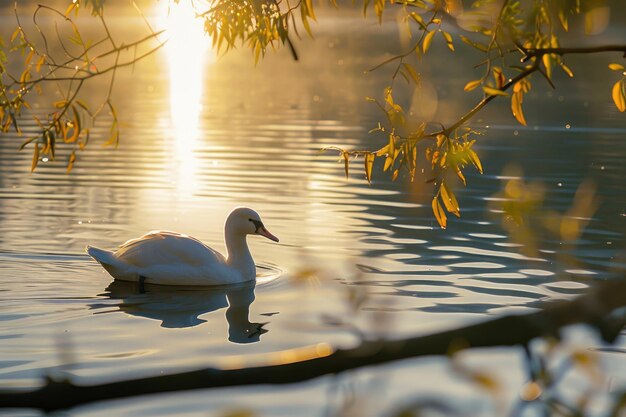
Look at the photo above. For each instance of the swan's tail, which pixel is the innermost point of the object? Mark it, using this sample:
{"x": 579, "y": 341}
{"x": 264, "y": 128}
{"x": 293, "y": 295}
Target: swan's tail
{"x": 114, "y": 266}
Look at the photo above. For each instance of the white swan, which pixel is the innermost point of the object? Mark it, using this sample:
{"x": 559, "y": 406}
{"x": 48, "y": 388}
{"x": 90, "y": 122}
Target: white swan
{"x": 170, "y": 258}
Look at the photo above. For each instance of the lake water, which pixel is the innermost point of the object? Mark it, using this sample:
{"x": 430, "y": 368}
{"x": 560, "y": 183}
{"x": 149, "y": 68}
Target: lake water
{"x": 354, "y": 260}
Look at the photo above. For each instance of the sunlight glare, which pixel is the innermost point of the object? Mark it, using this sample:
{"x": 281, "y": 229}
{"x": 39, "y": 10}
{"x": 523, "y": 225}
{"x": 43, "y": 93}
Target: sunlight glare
{"x": 186, "y": 50}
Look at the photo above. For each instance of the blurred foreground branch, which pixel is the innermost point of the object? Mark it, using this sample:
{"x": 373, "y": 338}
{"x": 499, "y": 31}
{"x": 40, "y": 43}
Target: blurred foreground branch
{"x": 299, "y": 365}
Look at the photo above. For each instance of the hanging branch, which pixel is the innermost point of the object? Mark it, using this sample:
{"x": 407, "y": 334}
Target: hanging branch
{"x": 297, "y": 365}
{"x": 69, "y": 73}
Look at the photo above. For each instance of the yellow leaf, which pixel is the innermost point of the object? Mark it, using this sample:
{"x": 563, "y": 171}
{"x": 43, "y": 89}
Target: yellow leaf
{"x": 395, "y": 175}
{"x": 566, "y": 69}
{"x": 392, "y": 152}
{"x": 29, "y": 57}
{"x": 440, "y": 139}
{"x": 113, "y": 140}
{"x": 448, "y": 39}
{"x": 563, "y": 19}
{"x": 70, "y": 163}
{"x": 346, "y": 162}
{"x": 472, "y": 85}
{"x": 494, "y": 91}
{"x": 414, "y": 75}
{"x": 427, "y": 40}
{"x": 618, "y": 95}
{"x": 310, "y": 11}
{"x": 35, "y": 158}
{"x": 616, "y": 67}
{"x": 440, "y": 215}
{"x": 498, "y": 76}
{"x": 383, "y": 151}
{"x": 15, "y": 33}
{"x": 435, "y": 158}
{"x": 443, "y": 159}
{"x": 388, "y": 162}
{"x": 369, "y": 164}
{"x": 379, "y": 6}
{"x": 547, "y": 63}
{"x": 69, "y": 9}
{"x": 449, "y": 200}
{"x": 459, "y": 174}
{"x": 418, "y": 19}
{"x": 40, "y": 62}
{"x": 475, "y": 160}
{"x": 305, "y": 21}
{"x": 25, "y": 76}
{"x": 516, "y": 107}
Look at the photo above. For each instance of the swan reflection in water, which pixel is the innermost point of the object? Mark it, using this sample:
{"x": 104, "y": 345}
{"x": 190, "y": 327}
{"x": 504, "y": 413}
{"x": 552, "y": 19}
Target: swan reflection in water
{"x": 180, "y": 307}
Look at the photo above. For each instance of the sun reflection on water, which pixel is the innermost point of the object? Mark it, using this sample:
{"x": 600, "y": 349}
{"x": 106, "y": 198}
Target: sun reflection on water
{"x": 186, "y": 49}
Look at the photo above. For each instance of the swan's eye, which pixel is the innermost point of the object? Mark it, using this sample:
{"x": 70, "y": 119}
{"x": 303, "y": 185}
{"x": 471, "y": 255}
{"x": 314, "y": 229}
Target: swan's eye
{"x": 257, "y": 223}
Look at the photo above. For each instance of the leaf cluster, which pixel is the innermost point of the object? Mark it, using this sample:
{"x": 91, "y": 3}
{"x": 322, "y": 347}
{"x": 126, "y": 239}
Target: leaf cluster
{"x": 45, "y": 71}
{"x": 518, "y": 38}
{"x": 261, "y": 24}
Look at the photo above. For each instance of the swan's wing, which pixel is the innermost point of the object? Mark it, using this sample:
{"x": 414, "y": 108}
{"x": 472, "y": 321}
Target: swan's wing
{"x": 160, "y": 247}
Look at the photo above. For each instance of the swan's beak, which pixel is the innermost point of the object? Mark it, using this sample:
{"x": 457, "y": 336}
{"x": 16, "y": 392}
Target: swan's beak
{"x": 264, "y": 232}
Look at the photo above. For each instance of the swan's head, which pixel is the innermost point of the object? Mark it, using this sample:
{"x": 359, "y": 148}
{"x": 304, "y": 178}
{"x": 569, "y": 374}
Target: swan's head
{"x": 245, "y": 221}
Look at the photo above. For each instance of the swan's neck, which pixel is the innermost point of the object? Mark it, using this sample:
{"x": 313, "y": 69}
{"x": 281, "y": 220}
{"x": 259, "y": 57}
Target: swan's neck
{"x": 239, "y": 256}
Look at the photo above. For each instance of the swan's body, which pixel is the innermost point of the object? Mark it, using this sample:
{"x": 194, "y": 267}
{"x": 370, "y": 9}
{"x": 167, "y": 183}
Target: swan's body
{"x": 170, "y": 258}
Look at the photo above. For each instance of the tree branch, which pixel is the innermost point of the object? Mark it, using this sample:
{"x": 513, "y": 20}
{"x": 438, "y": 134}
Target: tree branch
{"x": 594, "y": 308}
{"x": 531, "y": 53}
{"x": 528, "y": 71}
